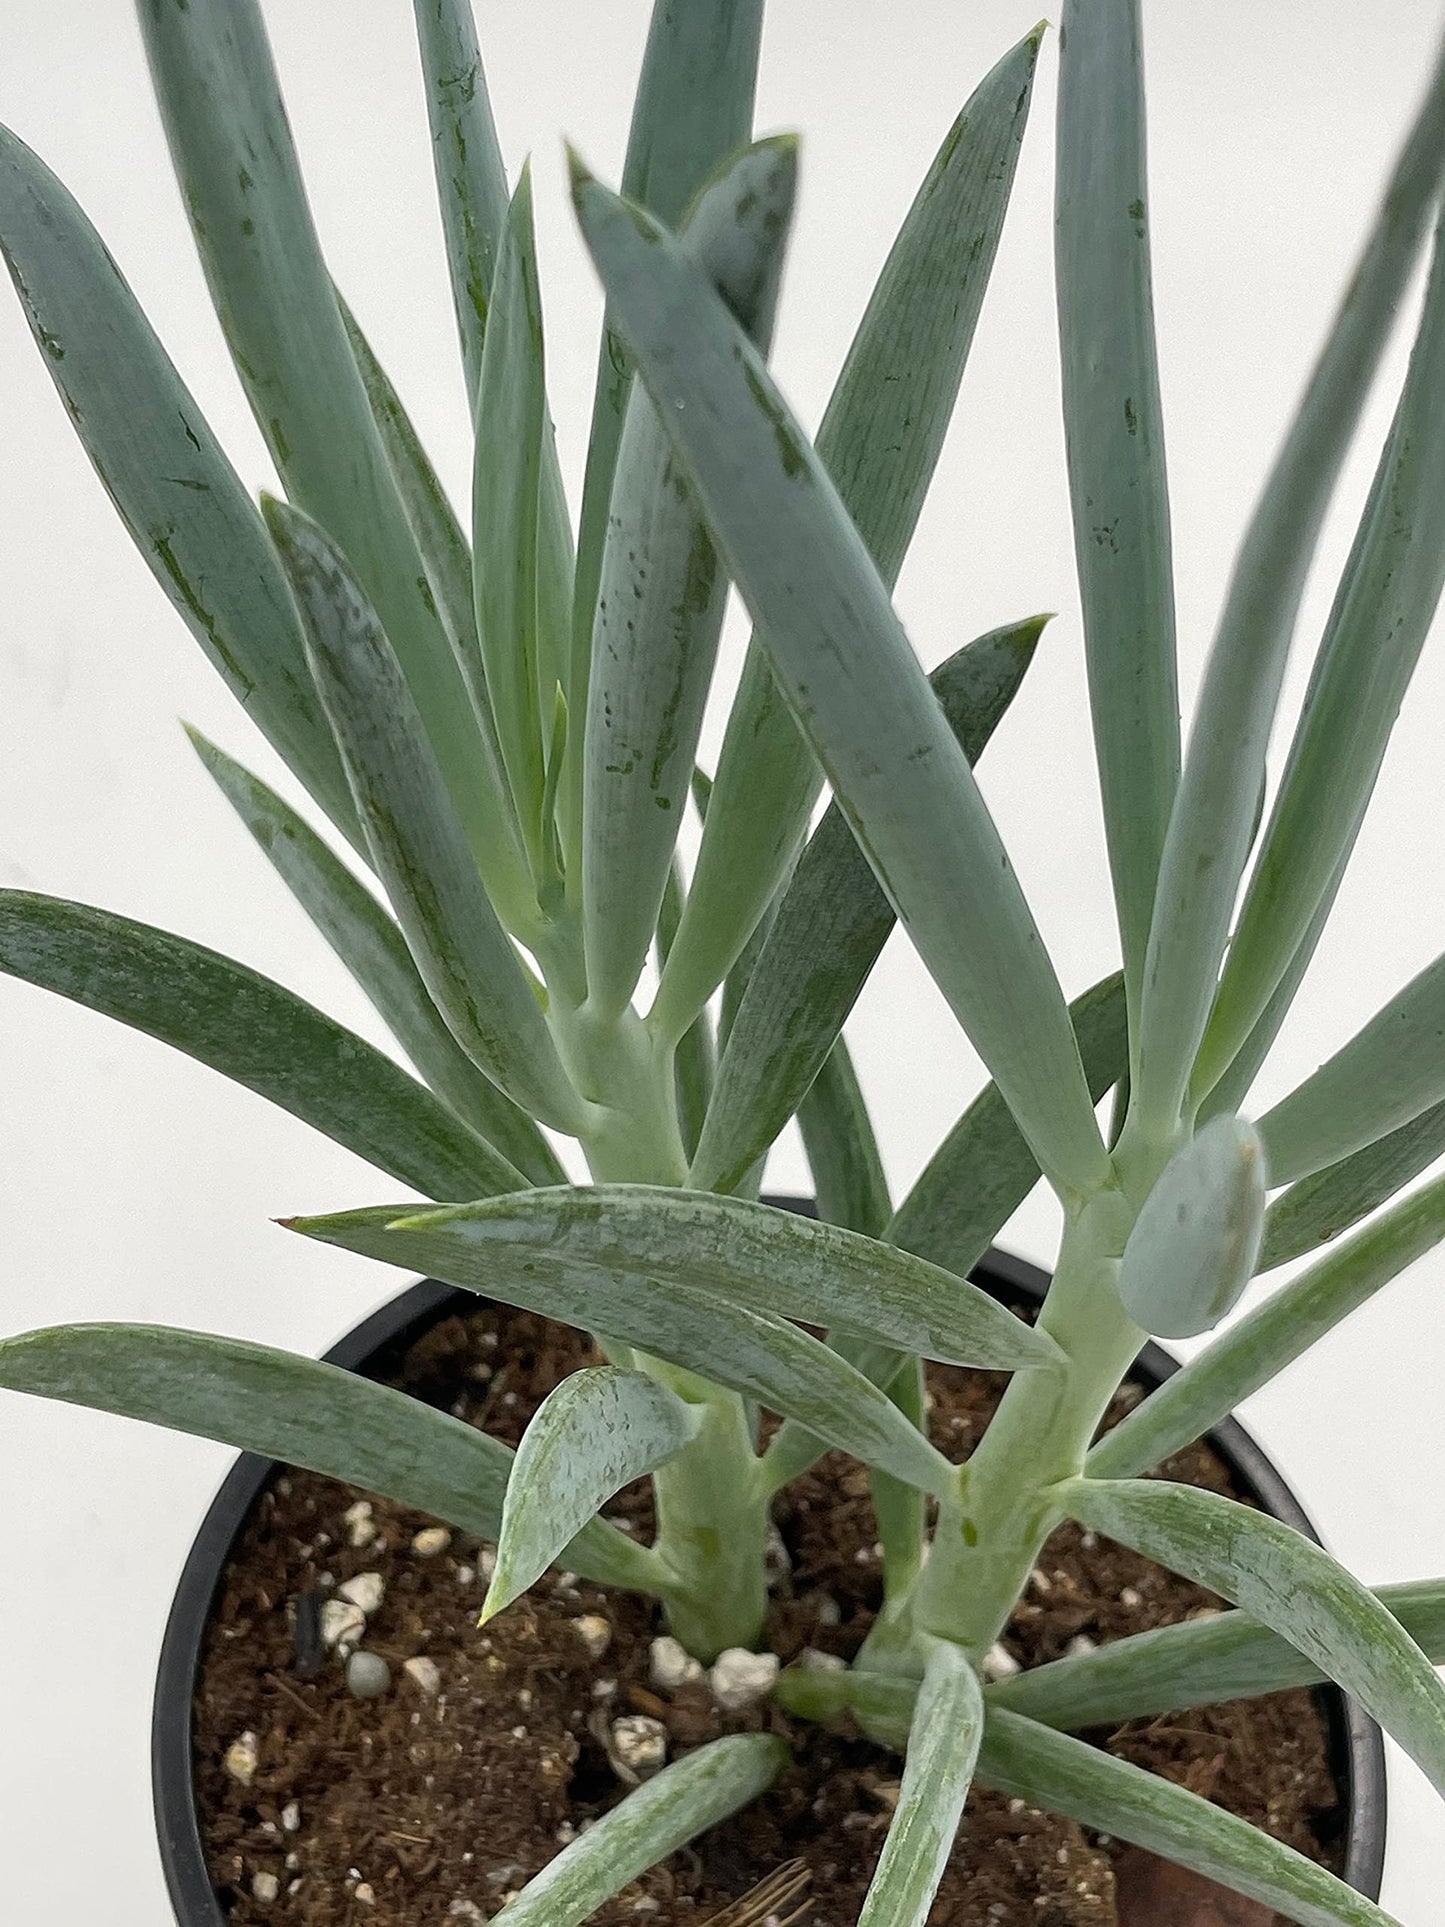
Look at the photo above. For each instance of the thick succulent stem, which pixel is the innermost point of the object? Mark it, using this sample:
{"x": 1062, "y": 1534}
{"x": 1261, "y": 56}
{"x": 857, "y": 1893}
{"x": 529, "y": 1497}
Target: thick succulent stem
{"x": 992, "y": 1527}
{"x": 712, "y": 1499}
{"x": 712, "y": 1525}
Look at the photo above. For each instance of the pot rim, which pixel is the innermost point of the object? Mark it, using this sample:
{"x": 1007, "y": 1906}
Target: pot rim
{"x": 1357, "y": 1745}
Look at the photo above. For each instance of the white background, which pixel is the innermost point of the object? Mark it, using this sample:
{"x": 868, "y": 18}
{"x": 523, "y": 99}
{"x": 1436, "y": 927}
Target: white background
{"x": 138, "y": 1185}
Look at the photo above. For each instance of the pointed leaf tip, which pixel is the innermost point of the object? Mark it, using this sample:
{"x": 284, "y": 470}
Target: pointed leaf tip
{"x": 578, "y": 172}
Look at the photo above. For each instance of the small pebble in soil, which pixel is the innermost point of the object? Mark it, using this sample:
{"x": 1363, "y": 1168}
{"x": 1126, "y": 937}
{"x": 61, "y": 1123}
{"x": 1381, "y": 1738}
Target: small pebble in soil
{"x": 595, "y": 1633}
{"x": 364, "y": 1589}
{"x": 465, "y": 1575}
{"x": 342, "y": 1622}
{"x": 739, "y": 1679}
{"x": 1130, "y": 1596}
{"x": 368, "y": 1677}
{"x": 291, "y": 1816}
{"x": 1080, "y": 1646}
{"x": 637, "y": 1746}
{"x": 813, "y": 1661}
{"x": 265, "y": 1887}
{"x": 424, "y": 1674}
{"x": 670, "y": 1664}
{"x": 999, "y": 1662}
{"x": 365, "y": 1894}
{"x": 466, "y": 1911}
{"x": 360, "y": 1526}
{"x": 431, "y": 1540}
{"x": 243, "y": 1756}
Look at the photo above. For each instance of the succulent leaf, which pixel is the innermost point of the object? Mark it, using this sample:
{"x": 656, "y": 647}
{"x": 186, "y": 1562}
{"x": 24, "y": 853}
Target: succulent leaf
{"x": 1114, "y": 431}
{"x": 1210, "y": 826}
{"x": 371, "y": 945}
{"x": 1289, "y": 1584}
{"x": 180, "y": 499}
{"x": 600, "y": 1429}
{"x": 1386, "y": 1075}
{"x": 755, "y": 1353}
{"x": 303, "y": 1412}
{"x": 1319, "y": 1208}
{"x": 852, "y": 680}
{"x": 943, "y": 1746}
{"x": 1193, "y": 1246}
{"x": 219, "y": 94}
{"x": 464, "y": 956}
{"x": 879, "y": 440}
{"x": 1198, "y": 1662}
{"x": 984, "y": 1169}
{"x": 661, "y": 599}
{"x": 1260, "y": 1346}
{"x": 829, "y": 929}
{"x": 255, "y": 1033}
{"x": 1053, "y": 1770}
{"x": 694, "y": 107}
{"x": 655, "y": 1819}
{"x": 1383, "y": 609}
{"x": 750, "y": 1255}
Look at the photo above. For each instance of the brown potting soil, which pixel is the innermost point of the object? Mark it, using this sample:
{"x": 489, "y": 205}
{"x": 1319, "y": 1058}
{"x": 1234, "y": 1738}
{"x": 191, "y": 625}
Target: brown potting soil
{"x": 424, "y": 1807}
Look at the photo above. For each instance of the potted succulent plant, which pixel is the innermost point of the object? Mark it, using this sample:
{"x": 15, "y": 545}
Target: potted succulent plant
{"x": 505, "y": 734}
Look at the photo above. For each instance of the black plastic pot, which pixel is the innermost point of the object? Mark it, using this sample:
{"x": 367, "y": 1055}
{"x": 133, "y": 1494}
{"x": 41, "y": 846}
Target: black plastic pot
{"x": 376, "y": 1347}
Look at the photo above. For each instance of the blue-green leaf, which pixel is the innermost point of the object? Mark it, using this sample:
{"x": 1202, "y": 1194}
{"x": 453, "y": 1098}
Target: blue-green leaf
{"x": 597, "y": 1431}
{"x": 373, "y": 949}
{"x": 1290, "y": 1584}
{"x": 1052, "y": 1770}
{"x": 465, "y": 957}
{"x": 444, "y": 550}
{"x": 751, "y": 1255}
{"x": 1319, "y": 1208}
{"x": 303, "y": 1412}
{"x": 879, "y": 440}
{"x": 657, "y": 1818}
{"x": 851, "y": 678}
{"x": 694, "y": 107}
{"x": 253, "y": 1032}
{"x": 220, "y": 99}
{"x": 849, "y": 1184}
{"x": 1387, "y": 1074}
{"x": 1229, "y": 1093}
{"x": 1384, "y": 607}
{"x": 751, "y": 1352}
{"x": 510, "y": 424}
{"x": 1196, "y": 1663}
{"x": 183, "y": 503}
{"x": 661, "y": 600}
{"x": 942, "y": 1748}
{"x": 471, "y": 180}
{"x": 829, "y": 929}
{"x": 983, "y": 1170}
{"x": 1114, "y": 432}
{"x": 1210, "y": 828}
{"x": 472, "y": 191}
{"x": 1193, "y": 1246}
{"x": 1259, "y": 1347}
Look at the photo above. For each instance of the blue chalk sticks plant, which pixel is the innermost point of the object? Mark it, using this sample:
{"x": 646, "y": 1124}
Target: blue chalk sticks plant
{"x": 502, "y": 724}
